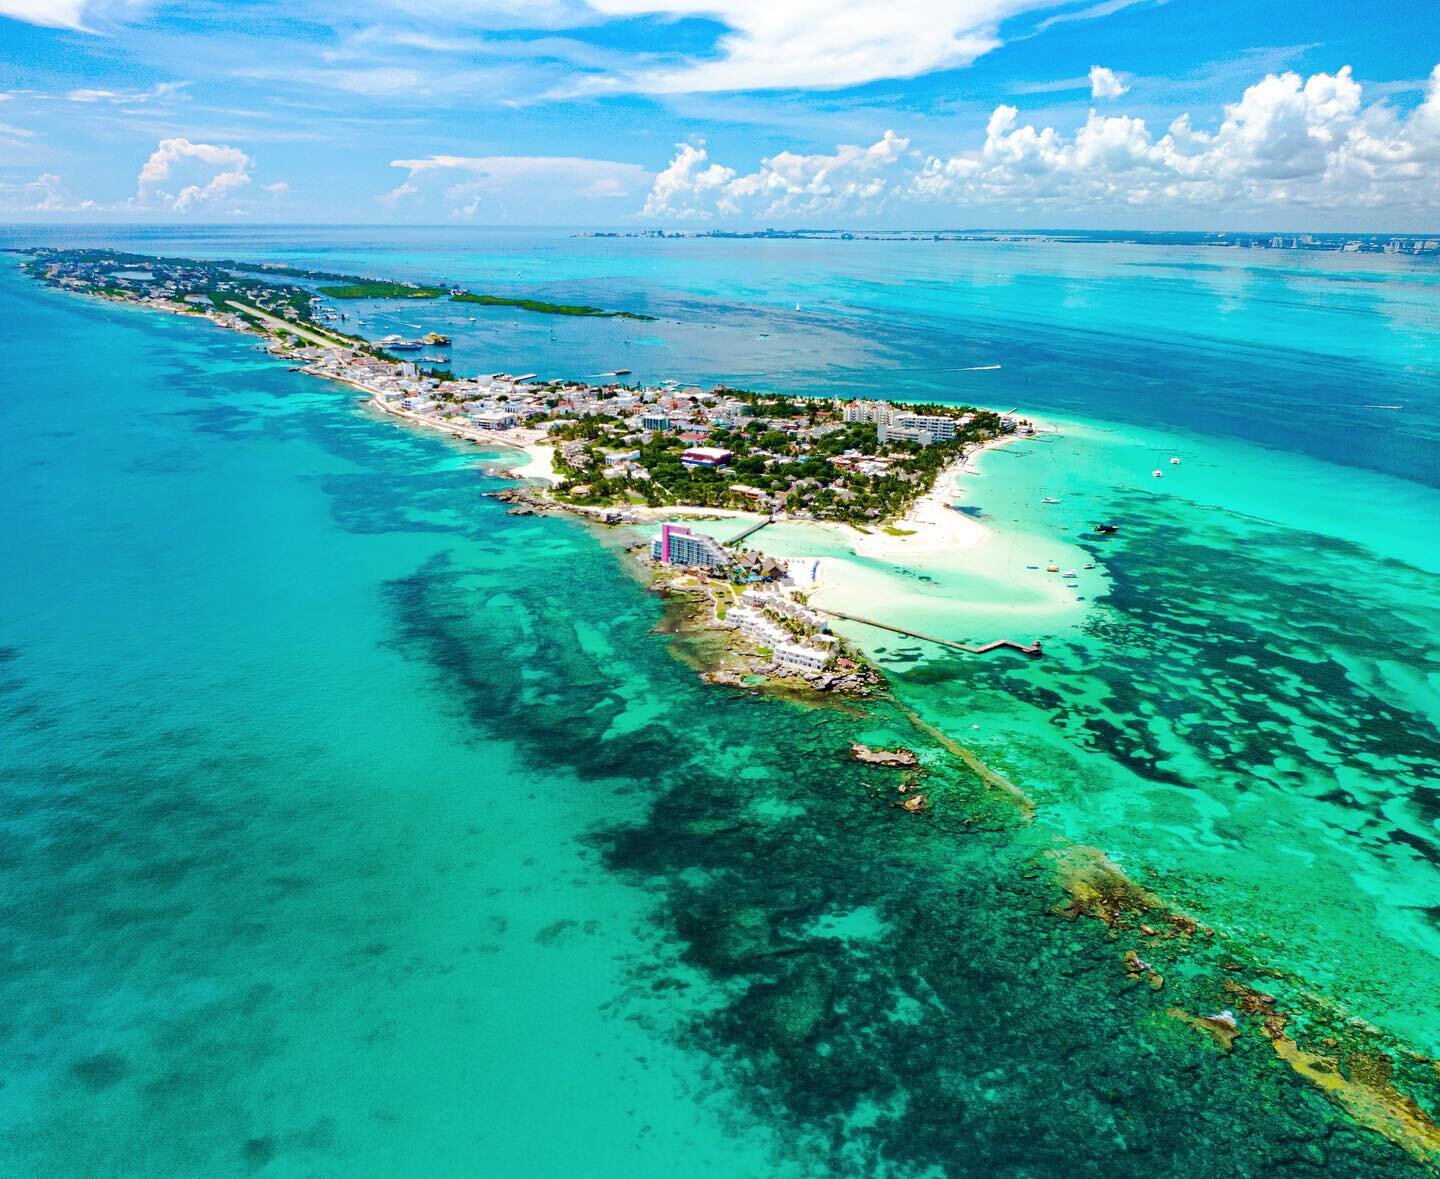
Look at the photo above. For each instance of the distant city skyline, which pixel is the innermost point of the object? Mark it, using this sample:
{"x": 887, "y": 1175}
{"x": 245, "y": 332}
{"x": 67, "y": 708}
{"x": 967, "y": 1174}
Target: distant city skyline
{"x": 725, "y": 114}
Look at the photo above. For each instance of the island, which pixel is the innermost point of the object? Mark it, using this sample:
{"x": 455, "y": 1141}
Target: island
{"x": 123, "y": 274}
{"x": 621, "y": 454}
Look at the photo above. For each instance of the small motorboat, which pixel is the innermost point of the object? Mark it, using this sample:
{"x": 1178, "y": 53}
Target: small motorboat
{"x": 1089, "y": 564}
{"x": 1032, "y": 566}
{"x": 1106, "y": 529}
{"x": 1052, "y": 568}
{"x": 1049, "y": 499}
{"x": 1157, "y": 473}
{"x": 1069, "y": 573}
{"x": 1174, "y": 462}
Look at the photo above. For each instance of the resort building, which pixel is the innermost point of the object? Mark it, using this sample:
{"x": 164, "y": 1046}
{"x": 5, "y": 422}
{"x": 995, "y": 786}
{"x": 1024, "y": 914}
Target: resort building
{"x": 677, "y": 545}
{"x": 803, "y": 658}
{"x": 655, "y": 420}
{"x": 866, "y": 411}
{"x": 925, "y": 429}
{"x": 705, "y": 456}
{"x": 495, "y": 419}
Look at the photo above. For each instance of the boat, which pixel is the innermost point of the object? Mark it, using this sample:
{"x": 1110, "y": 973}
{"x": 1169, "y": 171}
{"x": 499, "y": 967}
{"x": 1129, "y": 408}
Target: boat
{"x": 1032, "y": 566}
{"x": 1089, "y": 564}
{"x": 1106, "y": 529}
{"x": 797, "y": 306}
{"x": 1052, "y": 568}
{"x": 622, "y": 372}
{"x": 1157, "y": 473}
{"x": 1049, "y": 499}
{"x": 1174, "y": 462}
{"x": 1069, "y": 573}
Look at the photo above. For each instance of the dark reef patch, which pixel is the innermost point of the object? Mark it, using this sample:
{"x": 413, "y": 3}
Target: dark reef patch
{"x": 975, "y": 1030}
{"x": 102, "y": 1071}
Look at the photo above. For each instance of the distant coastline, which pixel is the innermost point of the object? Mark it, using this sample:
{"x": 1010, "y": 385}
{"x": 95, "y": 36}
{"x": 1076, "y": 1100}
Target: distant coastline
{"x": 1412, "y": 244}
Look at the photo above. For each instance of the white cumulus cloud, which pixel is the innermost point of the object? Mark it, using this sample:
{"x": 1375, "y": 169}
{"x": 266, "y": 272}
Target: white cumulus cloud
{"x": 45, "y": 194}
{"x": 1289, "y": 142}
{"x": 181, "y": 175}
{"x": 1106, "y": 83}
{"x": 853, "y": 180}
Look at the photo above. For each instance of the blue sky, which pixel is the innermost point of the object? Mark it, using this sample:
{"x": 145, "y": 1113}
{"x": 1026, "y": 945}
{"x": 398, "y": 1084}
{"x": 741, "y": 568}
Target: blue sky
{"x": 1305, "y": 114}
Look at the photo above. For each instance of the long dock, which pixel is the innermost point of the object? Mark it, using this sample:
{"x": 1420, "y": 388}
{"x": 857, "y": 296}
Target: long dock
{"x": 1031, "y": 649}
{"x": 751, "y": 531}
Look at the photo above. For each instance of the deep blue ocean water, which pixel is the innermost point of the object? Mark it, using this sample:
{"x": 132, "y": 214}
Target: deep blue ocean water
{"x": 353, "y": 826}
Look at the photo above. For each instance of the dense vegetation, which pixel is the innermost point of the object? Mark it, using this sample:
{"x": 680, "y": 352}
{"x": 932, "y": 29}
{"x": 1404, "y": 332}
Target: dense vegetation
{"x": 544, "y": 308}
{"x": 366, "y": 289}
{"x": 797, "y": 467}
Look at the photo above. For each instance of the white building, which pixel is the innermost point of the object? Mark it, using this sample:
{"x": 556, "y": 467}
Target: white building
{"x": 923, "y": 428}
{"x": 866, "y": 411}
{"x": 803, "y": 658}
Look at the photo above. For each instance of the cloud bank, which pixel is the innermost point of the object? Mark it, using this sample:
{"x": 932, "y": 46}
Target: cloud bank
{"x": 465, "y": 186}
{"x": 1289, "y": 141}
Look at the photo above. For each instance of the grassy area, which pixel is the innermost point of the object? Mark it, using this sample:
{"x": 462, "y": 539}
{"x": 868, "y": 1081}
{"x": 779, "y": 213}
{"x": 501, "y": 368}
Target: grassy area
{"x": 381, "y": 290}
{"x": 544, "y": 308}
{"x": 893, "y": 531}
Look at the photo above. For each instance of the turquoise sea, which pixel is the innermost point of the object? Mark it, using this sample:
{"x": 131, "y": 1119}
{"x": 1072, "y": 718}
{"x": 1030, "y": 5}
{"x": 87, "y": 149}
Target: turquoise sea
{"x": 352, "y": 826}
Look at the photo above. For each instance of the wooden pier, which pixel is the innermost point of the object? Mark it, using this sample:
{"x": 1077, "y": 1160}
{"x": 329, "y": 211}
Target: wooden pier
{"x": 1031, "y": 649}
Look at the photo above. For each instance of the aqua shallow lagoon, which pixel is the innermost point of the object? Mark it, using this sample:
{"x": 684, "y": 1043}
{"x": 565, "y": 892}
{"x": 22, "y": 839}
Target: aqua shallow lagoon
{"x": 354, "y": 826}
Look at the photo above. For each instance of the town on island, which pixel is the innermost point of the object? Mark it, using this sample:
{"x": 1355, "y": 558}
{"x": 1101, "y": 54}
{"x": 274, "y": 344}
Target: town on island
{"x": 619, "y": 453}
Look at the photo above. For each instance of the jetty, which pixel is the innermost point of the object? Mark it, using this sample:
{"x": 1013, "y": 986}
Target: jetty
{"x": 752, "y": 530}
{"x": 1031, "y": 649}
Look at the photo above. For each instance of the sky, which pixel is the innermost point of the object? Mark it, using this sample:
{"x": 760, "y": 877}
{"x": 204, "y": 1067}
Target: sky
{"x": 1185, "y": 114}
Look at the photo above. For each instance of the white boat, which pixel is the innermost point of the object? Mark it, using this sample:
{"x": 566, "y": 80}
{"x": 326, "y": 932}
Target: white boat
{"x": 1158, "y": 473}
{"x": 1049, "y": 499}
{"x": 1174, "y": 462}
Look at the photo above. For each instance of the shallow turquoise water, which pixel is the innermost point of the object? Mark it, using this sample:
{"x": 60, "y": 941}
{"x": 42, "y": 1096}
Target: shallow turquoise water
{"x": 353, "y": 826}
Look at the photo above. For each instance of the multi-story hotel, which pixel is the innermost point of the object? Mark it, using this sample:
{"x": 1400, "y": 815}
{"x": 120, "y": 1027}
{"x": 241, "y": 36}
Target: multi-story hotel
{"x": 677, "y": 545}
